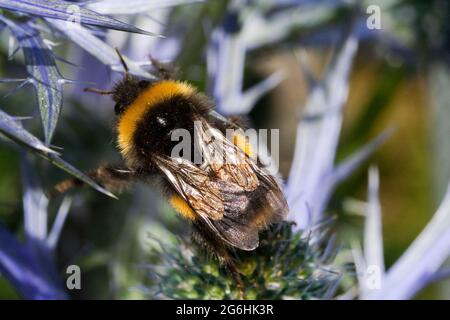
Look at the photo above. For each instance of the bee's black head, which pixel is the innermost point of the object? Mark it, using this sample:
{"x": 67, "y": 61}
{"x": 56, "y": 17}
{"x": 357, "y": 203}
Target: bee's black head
{"x": 126, "y": 91}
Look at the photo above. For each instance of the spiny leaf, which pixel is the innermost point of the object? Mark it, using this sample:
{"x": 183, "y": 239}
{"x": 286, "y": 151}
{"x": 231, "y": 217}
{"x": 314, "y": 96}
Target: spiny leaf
{"x": 60, "y": 163}
{"x": 98, "y": 48}
{"x": 11, "y": 128}
{"x": 58, "y": 224}
{"x": 9, "y": 80}
{"x": 134, "y": 6}
{"x": 44, "y": 73}
{"x": 69, "y": 12}
{"x": 35, "y": 203}
{"x": 350, "y": 164}
{"x": 19, "y": 268}
{"x": 318, "y": 136}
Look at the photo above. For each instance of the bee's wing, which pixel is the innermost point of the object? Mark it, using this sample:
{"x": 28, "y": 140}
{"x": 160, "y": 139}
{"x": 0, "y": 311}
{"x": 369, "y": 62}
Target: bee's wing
{"x": 229, "y": 191}
{"x": 274, "y": 207}
{"x": 231, "y": 164}
{"x": 223, "y": 158}
{"x": 218, "y": 203}
{"x": 194, "y": 185}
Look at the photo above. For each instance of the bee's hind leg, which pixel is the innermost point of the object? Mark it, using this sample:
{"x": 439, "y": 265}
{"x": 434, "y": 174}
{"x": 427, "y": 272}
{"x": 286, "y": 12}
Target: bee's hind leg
{"x": 112, "y": 178}
{"x": 231, "y": 267}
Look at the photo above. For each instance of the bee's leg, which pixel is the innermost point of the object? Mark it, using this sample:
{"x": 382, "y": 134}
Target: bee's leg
{"x": 230, "y": 265}
{"x": 112, "y": 178}
{"x": 165, "y": 71}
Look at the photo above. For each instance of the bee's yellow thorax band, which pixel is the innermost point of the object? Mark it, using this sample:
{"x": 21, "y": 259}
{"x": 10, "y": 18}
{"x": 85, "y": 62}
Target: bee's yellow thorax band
{"x": 182, "y": 207}
{"x": 155, "y": 94}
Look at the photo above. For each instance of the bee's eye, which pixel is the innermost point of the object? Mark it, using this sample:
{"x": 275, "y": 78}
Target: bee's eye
{"x": 118, "y": 108}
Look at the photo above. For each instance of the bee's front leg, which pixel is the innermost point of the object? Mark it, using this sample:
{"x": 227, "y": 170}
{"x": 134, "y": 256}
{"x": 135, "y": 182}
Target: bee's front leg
{"x": 112, "y": 178}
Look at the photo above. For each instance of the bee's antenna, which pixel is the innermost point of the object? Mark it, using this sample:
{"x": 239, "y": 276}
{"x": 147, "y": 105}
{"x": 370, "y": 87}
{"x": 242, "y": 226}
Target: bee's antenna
{"x": 122, "y": 61}
{"x": 107, "y": 92}
{"x": 99, "y": 91}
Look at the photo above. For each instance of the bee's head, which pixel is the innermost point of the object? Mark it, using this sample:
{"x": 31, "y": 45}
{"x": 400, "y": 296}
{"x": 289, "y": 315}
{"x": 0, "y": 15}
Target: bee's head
{"x": 125, "y": 91}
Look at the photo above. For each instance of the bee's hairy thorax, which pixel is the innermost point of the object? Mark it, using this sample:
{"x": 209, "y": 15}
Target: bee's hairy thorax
{"x": 146, "y": 126}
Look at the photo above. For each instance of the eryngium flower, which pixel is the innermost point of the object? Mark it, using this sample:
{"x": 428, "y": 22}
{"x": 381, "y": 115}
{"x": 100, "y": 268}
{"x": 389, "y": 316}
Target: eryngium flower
{"x": 286, "y": 265}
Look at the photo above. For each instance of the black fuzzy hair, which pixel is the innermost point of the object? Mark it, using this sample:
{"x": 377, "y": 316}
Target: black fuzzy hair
{"x": 153, "y": 133}
{"x": 126, "y": 91}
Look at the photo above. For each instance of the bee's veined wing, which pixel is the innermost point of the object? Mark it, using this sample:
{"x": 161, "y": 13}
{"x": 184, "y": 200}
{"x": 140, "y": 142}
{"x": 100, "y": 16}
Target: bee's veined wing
{"x": 232, "y": 194}
{"x": 223, "y": 158}
{"x": 194, "y": 185}
{"x": 275, "y": 207}
{"x": 218, "y": 203}
{"x": 231, "y": 164}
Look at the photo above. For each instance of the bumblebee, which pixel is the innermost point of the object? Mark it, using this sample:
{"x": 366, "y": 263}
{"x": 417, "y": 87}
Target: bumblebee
{"x": 227, "y": 202}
